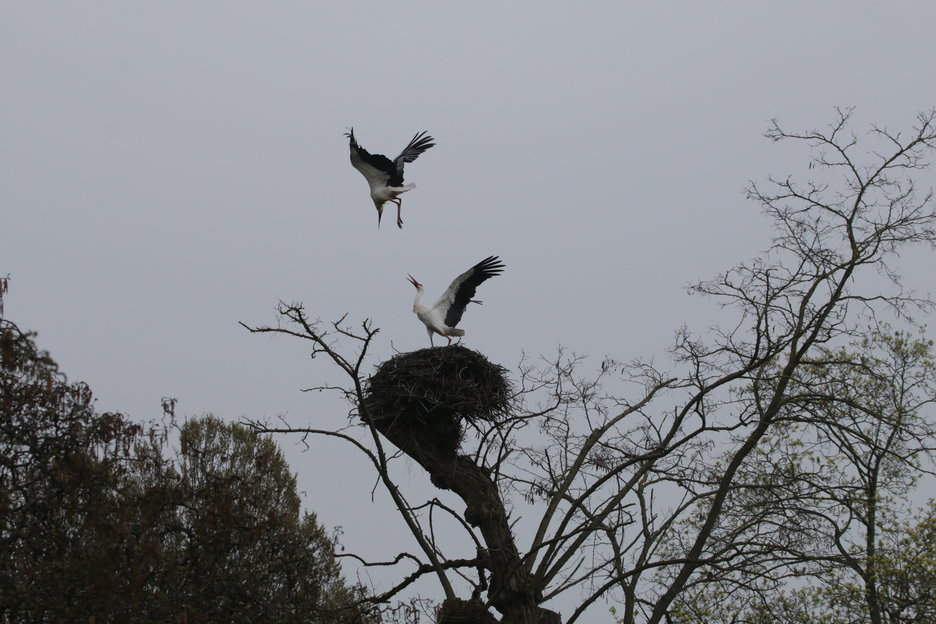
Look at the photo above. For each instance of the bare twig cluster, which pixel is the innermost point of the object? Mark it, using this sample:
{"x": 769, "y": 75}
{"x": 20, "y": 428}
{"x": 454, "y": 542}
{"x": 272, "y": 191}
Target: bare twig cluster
{"x": 669, "y": 489}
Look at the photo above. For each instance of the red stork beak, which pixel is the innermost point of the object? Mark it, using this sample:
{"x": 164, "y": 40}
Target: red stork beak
{"x": 379, "y": 215}
{"x": 412, "y": 280}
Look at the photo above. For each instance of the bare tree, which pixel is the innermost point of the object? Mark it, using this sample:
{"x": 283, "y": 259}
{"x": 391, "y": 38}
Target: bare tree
{"x": 632, "y": 485}
{"x": 832, "y": 478}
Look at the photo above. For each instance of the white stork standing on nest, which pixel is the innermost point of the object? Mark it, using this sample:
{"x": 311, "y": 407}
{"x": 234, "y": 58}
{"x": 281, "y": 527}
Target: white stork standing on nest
{"x": 385, "y": 176}
{"x": 444, "y": 315}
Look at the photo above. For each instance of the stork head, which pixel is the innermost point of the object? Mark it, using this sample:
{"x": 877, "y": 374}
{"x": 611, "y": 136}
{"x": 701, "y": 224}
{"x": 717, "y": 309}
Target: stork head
{"x": 412, "y": 280}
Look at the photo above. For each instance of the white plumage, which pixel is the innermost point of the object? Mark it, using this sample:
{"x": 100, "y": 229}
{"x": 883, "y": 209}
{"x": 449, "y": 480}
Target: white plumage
{"x": 385, "y": 176}
{"x": 445, "y": 314}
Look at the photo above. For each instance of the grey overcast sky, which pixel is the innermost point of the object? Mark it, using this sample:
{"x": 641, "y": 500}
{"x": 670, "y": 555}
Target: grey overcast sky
{"x": 170, "y": 168}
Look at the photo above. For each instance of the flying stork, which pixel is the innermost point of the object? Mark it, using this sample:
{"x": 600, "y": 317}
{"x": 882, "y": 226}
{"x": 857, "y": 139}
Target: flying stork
{"x": 385, "y": 176}
{"x": 444, "y": 315}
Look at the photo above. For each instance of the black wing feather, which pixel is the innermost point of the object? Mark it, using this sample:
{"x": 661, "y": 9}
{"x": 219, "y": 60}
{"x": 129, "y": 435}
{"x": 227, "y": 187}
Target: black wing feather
{"x": 487, "y": 268}
{"x": 378, "y": 161}
{"x": 419, "y": 144}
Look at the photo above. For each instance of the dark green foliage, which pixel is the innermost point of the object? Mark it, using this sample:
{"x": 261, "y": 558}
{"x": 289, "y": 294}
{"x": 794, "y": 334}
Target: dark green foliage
{"x": 95, "y": 521}
{"x": 59, "y": 465}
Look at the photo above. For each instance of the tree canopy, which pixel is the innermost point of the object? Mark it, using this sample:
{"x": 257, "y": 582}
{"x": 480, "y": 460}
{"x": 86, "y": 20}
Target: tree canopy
{"x": 100, "y": 520}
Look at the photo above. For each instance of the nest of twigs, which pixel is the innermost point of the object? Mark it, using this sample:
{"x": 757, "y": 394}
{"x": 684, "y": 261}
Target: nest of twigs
{"x": 431, "y": 394}
{"x": 457, "y": 611}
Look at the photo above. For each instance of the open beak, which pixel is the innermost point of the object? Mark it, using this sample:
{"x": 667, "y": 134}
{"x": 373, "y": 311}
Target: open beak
{"x": 413, "y": 281}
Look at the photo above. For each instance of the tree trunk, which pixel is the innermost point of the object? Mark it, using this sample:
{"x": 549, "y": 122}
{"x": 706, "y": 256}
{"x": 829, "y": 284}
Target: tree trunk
{"x": 511, "y": 589}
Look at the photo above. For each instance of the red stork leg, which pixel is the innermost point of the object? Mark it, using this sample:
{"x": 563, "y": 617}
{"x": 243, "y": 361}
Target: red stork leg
{"x": 399, "y": 204}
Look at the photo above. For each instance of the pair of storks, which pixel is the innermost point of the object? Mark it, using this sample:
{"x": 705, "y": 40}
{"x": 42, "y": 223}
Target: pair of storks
{"x": 385, "y": 178}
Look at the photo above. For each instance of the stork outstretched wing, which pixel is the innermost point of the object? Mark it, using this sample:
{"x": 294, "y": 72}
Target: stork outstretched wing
{"x": 419, "y": 144}
{"x": 459, "y": 294}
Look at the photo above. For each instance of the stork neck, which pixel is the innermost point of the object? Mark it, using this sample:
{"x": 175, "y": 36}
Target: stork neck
{"x": 419, "y": 294}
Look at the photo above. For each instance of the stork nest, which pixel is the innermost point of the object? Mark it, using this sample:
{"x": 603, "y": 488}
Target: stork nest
{"x": 432, "y": 393}
{"x": 457, "y": 611}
